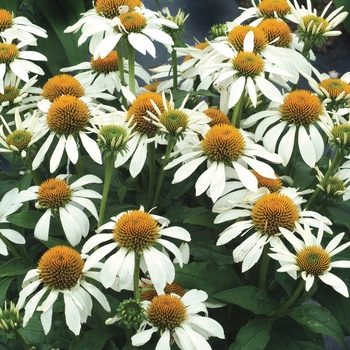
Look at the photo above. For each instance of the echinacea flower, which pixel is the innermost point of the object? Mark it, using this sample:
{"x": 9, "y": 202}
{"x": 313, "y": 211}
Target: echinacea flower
{"x": 66, "y": 118}
{"x": 300, "y": 113}
{"x": 9, "y": 203}
{"x": 23, "y": 137}
{"x": 311, "y": 259}
{"x": 262, "y": 218}
{"x": 104, "y": 72}
{"x": 15, "y": 60}
{"x": 224, "y": 146}
{"x": 61, "y": 271}
{"x": 19, "y": 28}
{"x": 134, "y": 234}
{"x": 107, "y": 27}
{"x": 314, "y": 28}
{"x": 65, "y": 201}
{"x": 177, "y": 319}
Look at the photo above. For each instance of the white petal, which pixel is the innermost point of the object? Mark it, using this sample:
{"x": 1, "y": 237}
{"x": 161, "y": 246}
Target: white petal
{"x": 247, "y": 178}
{"x": 91, "y": 147}
{"x": 164, "y": 341}
{"x": 142, "y": 337}
{"x": 306, "y": 147}
{"x": 111, "y": 267}
{"x": 42, "y": 227}
{"x": 13, "y": 236}
{"x": 335, "y": 282}
{"x": 57, "y": 154}
{"x": 72, "y": 314}
{"x": 187, "y": 169}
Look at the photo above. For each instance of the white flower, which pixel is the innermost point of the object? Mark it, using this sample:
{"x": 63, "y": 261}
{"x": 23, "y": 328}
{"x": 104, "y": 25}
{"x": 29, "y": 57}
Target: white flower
{"x": 262, "y": 218}
{"x": 104, "y": 72}
{"x": 311, "y": 259}
{"x": 67, "y": 117}
{"x": 19, "y": 28}
{"x": 18, "y": 62}
{"x": 300, "y": 112}
{"x": 176, "y": 318}
{"x": 139, "y": 27}
{"x": 61, "y": 270}
{"x": 134, "y": 233}
{"x": 224, "y": 146}
{"x": 67, "y": 203}
{"x": 8, "y": 205}
{"x": 25, "y": 134}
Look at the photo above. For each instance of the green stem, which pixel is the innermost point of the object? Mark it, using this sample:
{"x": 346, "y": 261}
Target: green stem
{"x": 290, "y": 169}
{"x": 151, "y": 153}
{"x": 237, "y": 110}
{"x": 264, "y": 267}
{"x": 35, "y": 173}
{"x": 284, "y": 307}
{"x": 121, "y": 68}
{"x": 109, "y": 168}
{"x": 131, "y": 60}
{"x": 168, "y": 150}
{"x": 174, "y": 64}
{"x": 24, "y": 345}
{"x": 339, "y": 157}
{"x": 137, "y": 276}
{"x": 79, "y": 166}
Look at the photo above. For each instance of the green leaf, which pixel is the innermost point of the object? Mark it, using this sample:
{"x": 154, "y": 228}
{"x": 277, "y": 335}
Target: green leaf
{"x": 13, "y": 267}
{"x": 346, "y": 5}
{"x": 250, "y": 298}
{"x": 93, "y": 340}
{"x": 318, "y": 320}
{"x": 278, "y": 341}
{"x": 254, "y": 335}
{"x": 209, "y": 277}
{"x": 26, "y": 219}
{"x": 4, "y": 286}
{"x": 340, "y": 215}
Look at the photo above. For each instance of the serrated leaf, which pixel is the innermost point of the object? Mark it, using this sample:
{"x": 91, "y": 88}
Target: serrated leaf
{"x": 250, "y": 298}
{"x": 13, "y": 267}
{"x": 25, "y": 219}
{"x": 318, "y": 320}
{"x": 254, "y": 335}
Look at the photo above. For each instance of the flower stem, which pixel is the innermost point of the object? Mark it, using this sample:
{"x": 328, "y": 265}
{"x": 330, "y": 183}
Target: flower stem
{"x": 137, "y": 276}
{"x": 169, "y": 147}
{"x": 284, "y": 307}
{"x": 79, "y": 166}
{"x": 151, "y": 153}
{"x": 131, "y": 60}
{"x": 338, "y": 158}
{"x": 109, "y": 168}
{"x": 121, "y": 69}
{"x": 237, "y": 110}
{"x": 290, "y": 169}
{"x": 174, "y": 63}
{"x": 264, "y": 267}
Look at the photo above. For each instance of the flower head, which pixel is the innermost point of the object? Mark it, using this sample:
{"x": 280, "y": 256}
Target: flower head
{"x": 311, "y": 259}
{"x": 9, "y": 317}
{"x": 61, "y": 270}
{"x": 66, "y": 202}
{"x": 135, "y": 233}
{"x": 176, "y": 318}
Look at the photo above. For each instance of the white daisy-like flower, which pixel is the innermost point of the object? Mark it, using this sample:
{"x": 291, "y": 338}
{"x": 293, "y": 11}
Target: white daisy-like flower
{"x": 9, "y": 204}
{"x": 334, "y": 92}
{"x": 242, "y": 71}
{"x": 104, "y": 72}
{"x": 61, "y": 271}
{"x": 311, "y": 259}
{"x": 262, "y": 218}
{"x": 66, "y": 202}
{"x": 19, "y": 62}
{"x": 106, "y": 28}
{"x": 18, "y": 97}
{"x": 261, "y": 10}
{"x": 145, "y": 130}
{"x": 68, "y": 119}
{"x": 177, "y": 319}
{"x": 134, "y": 234}
{"x": 224, "y": 146}
{"x": 180, "y": 123}
{"x": 316, "y": 27}
{"x": 18, "y": 140}
{"x": 19, "y": 28}
{"x": 300, "y": 113}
